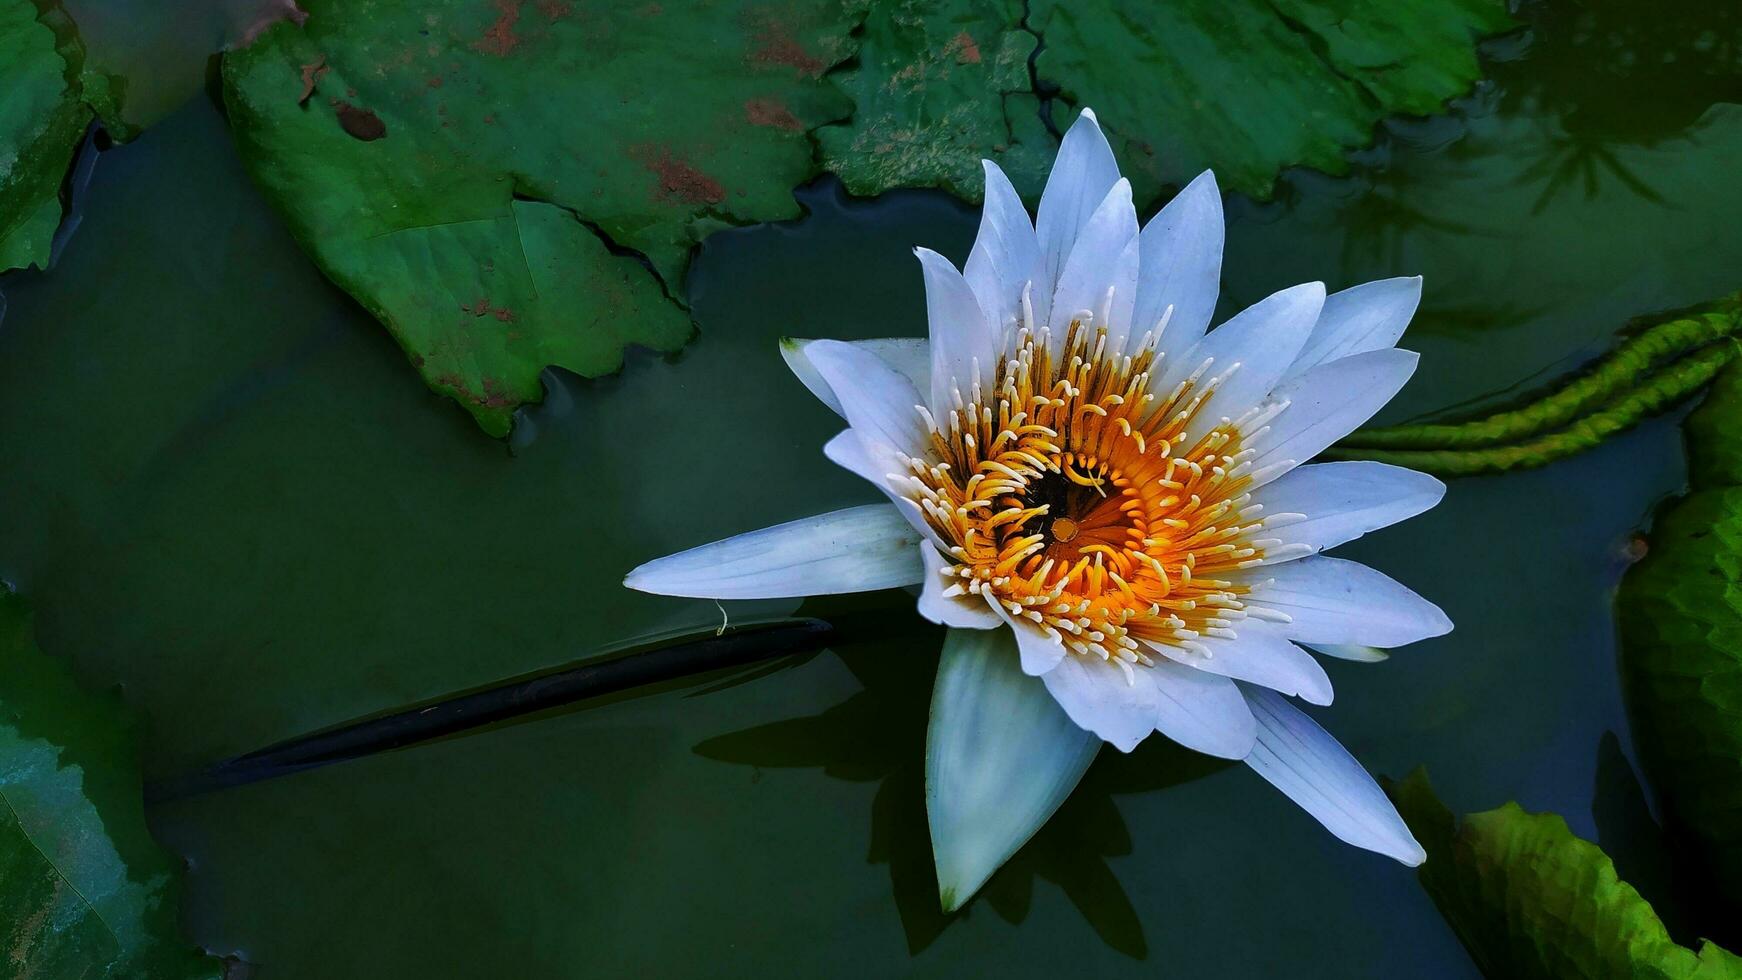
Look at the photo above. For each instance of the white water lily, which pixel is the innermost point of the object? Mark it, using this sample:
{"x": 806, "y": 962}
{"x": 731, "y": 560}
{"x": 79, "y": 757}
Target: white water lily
{"x": 1105, "y": 502}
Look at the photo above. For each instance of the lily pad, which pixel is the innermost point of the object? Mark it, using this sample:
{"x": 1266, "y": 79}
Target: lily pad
{"x": 1530, "y": 900}
{"x": 509, "y": 185}
{"x": 1681, "y": 644}
{"x": 1681, "y": 634}
{"x": 41, "y": 122}
{"x": 84, "y": 890}
{"x": 1249, "y": 87}
{"x": 938, "y": 86}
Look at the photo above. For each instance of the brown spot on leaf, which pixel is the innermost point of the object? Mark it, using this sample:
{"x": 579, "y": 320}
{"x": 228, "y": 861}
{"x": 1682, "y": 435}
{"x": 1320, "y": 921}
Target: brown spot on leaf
{"x": 494, "y": 396}
{"x": 555, "y": 9}
{"x": 499, "y": 38}
{"x": 435, "y": 81}
{"x": 361, "y": 123}
{"x": 311, "y": 74}
{"x": 775, "y": 45}
{"x": 678, "y": 179}
{"x": 483, "y": 308}
{"x": 772, "y": 112}
{"x": 967, "y": 52}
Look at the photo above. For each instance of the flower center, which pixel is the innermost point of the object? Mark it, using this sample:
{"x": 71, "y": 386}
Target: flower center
{"x": 1105, "y": 514}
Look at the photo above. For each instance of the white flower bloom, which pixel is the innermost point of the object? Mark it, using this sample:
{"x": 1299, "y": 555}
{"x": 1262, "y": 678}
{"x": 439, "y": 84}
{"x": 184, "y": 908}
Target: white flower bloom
{"x": 1105, "y": 502}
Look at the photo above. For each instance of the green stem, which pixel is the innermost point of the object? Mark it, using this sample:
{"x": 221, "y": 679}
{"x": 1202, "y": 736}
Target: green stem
{"x": 1612, "y": 379}
{"x": 1658, "y": 391}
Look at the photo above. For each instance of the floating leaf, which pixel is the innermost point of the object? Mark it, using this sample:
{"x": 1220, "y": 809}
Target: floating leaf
{"x": 84, "y": 890}
{"x": 1681, "y": 643}
{"x": 41, "y": 122}
{"x": 1680, "y": 613}
{"x": 473, "y": 171}
{"x": 1528, "y": 899}
{"x": 940, "y": 85}
{"x": 1249, "y": 87}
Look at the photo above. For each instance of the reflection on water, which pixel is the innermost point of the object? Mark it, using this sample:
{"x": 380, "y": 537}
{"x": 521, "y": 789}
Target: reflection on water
{"x": 1584, "y": 162}
{"x": 1613, "y": 72}
{"x": 1672, "y": 67}
{"x": 878, "y": 735}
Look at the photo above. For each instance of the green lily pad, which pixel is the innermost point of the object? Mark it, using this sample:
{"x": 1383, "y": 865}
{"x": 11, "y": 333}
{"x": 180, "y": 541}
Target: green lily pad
{"x": 41, "y": 122}
{"x": 1250, "y": 87}
{"x": 940, "y": 85}
{"x": 1681, "y": 640}
{"x": 1528, "y": 899}
{"x": 512, "y": 185}
{"x": 1680, "y": 613}
{"x": 84, "y": 890}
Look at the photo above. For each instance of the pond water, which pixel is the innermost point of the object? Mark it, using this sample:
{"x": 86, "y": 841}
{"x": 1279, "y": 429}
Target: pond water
{"x": 225, "y": 491}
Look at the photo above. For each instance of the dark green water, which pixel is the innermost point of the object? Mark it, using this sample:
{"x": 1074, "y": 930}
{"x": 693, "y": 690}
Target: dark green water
{"x": 224, "y": 490}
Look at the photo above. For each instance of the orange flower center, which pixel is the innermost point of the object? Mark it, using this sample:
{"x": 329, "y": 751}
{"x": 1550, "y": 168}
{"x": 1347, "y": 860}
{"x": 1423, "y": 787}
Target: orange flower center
{"x": 1107, "y": 515}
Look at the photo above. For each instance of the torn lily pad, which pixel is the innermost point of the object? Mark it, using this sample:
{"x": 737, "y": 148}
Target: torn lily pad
{"x": 1247, "y": 88}
{"x": 1530, "y": 900}
{"x": 41, "y": 122}
{"x": 84, "y": 890}
{"x": 1250, "y": 87}
{"x": 510, "y": 185}
{"x": 938, "y": 87}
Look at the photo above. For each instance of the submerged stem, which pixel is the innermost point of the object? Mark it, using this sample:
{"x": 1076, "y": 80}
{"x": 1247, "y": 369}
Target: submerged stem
{"x": 1657, "y": 392}
{"x": 1612, "y": 382}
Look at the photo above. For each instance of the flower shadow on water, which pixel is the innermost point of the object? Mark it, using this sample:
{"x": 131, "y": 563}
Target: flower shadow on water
{"x": 878, "y": 734}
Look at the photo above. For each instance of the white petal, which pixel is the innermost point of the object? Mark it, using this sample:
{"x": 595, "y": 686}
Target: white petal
{"x": 1040, "y": 652}
{"x": 1367, "y": 317}
{"x": 880, "y": 404}
{"x": 1081, "y": 177}
{"x": 1343, "y": 501}
{"x": 1006, "y": 255}
{"x": 1104, "y": 256}
{"x": 963, "y": 351}
{"x": 848, "y": 451}
{"x": 966, "y": 611}
{"x": 1182, "y": 265}
{"x": 1327, "y": 403}
{"x": 854, "y": 550}
{"x": 1331, "y": 600}
{"x": 1350, "y": 651}
{"x": 1258, "y": 345}
{"x": 1198, "y": 710}
{"x": 1298, "y": 757}
{"x": 909, "y": 355}
{"x": 1099, "y": 697}
{"x": 1202, "y": 711}
{"x": 1260, "y": 655}
{"x": 999, "y": 759}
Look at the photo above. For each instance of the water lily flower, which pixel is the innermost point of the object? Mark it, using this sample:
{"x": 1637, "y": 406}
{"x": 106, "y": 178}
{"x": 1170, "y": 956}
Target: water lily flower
{"x": 1107, "y": 504}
